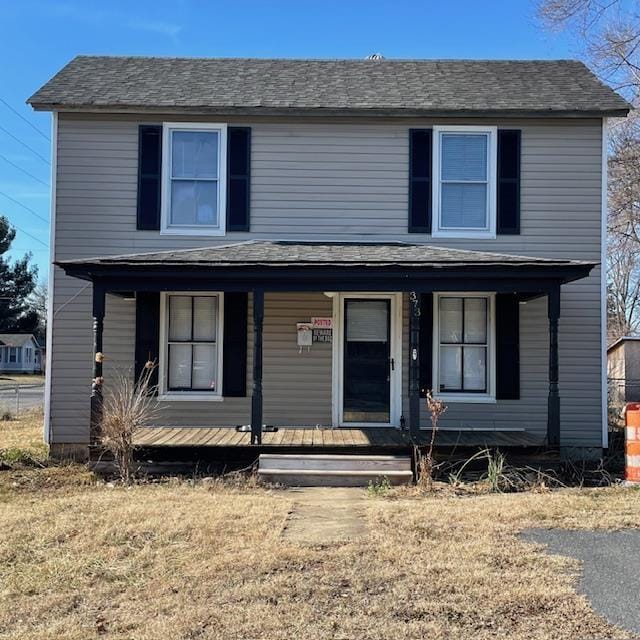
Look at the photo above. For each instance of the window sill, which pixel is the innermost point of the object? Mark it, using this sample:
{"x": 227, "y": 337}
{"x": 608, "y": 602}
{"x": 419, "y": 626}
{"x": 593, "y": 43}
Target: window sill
{"x": 191, "y": 231}
{"x": 465, "y": 398}
{"x": 189, "y": 396}
{"x": 469, "y": 235}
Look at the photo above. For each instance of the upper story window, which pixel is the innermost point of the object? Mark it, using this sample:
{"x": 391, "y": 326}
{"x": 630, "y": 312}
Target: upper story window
{"x": 464, "y": 194}
{"x": 194, "y": 178}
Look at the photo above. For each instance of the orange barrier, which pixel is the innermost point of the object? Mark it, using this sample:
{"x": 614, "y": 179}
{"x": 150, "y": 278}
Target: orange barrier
{"x": 632, "y": 437}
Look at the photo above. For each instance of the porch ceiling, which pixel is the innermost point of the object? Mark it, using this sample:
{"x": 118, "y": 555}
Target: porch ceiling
{"x": 264, "y": 263}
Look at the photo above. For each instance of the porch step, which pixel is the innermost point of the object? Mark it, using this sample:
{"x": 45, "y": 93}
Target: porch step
{"x": 333, "y": 470}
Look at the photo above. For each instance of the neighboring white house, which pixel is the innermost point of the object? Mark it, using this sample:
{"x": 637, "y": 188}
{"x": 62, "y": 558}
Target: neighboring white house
{"x": 20, "y": 352}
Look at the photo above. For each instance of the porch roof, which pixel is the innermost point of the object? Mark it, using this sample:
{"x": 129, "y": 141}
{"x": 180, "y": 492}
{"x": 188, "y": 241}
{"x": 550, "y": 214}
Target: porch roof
{"x": 300, "y": 255}
{"x": 265, "y": 262}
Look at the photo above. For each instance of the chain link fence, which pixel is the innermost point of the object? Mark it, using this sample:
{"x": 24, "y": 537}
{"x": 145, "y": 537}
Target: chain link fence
{"x": 17, "y": 397}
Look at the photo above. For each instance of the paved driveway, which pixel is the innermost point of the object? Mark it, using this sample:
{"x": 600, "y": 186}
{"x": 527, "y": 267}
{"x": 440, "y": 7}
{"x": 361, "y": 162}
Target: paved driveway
{"x": 611, "y": 568}
{"x": 30, "y": 396}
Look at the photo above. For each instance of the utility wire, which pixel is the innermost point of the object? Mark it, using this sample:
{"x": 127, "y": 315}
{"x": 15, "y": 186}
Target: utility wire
{"x": 13, "y": 164}
{"x": 33, "y": 126}
{"x": 26, "y": 233}
{"x": 24, "y": 206}
{"x": 24, "y": 144}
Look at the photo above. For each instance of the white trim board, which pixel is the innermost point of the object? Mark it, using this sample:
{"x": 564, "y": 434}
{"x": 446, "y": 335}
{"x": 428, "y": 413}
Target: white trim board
{"x": 48, "y": 432}
{"x": 603, "y": 284}
{"x": 337, "y": 358}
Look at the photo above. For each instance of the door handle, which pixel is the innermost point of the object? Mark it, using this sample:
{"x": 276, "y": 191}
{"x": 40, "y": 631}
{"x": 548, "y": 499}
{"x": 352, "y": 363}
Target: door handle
{"x": 393, "y": 364}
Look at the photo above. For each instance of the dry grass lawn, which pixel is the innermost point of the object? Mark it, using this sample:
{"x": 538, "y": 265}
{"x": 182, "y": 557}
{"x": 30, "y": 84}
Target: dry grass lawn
{"x": 189, "y": 560}
{"x": 23, "y": 436}
{"x": 22, "y": 378}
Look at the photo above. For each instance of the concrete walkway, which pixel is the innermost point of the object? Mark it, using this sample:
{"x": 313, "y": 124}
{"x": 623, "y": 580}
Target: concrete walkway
{"x": 611, "y": 569}
{"x": 323, "y": 515}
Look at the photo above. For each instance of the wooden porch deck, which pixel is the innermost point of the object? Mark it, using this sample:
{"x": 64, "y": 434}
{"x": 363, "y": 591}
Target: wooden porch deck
{"x": 301, "y": 437}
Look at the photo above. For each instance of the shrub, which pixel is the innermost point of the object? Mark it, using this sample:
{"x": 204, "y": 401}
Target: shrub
{"x": 129, "y": 406}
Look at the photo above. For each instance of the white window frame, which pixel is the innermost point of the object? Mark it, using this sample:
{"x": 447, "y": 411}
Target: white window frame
{"x": 460, "y": 396}
{"x": 163, "y": 388}
{"x": 492, "y": 164}
{"x": 165, "y": 210}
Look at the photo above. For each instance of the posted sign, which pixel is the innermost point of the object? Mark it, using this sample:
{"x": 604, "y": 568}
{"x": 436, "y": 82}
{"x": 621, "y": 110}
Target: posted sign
{"x": 322, "y": 329}
{"x": 322, "y": 323}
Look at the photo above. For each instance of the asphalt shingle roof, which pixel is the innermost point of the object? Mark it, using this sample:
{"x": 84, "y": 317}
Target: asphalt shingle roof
{"x": 286, "y": 253}
{"x": 15, "y": 339}
{"x": 384, "y": 87}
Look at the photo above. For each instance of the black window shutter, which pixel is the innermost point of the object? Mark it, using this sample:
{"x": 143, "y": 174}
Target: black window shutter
{"x": 508, "y": 181}
{"x": 234, "y": 355}
{"x": 147, "y": 332}
{"x": 420, "y": 180}
{"x": 238, "y": 178}
{"x": 507, "y": 347}
{"x": 426, "y": 342}
{"x": 149, "y": 176}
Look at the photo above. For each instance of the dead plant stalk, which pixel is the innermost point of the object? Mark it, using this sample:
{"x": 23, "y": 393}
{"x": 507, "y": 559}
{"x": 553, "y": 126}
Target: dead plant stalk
{"x": 128, "y": 406}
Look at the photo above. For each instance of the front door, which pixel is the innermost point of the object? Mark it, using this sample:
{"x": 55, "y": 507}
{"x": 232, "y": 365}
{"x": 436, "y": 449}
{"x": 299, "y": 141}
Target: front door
{"x": 367, "y": 362}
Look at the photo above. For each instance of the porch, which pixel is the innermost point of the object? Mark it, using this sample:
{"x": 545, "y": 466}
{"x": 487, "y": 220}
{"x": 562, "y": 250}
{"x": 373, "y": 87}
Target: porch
{"x": 361, "y": 438}
{"x": 412, "y": 273}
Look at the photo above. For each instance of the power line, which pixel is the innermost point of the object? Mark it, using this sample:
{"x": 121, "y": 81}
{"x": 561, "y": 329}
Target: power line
{"x": 13, "y": 164}
{"x": 33, "y": 126}
{"x": 26, "y": 233}
{"x": 24, "y": 144}
{"x": 24, "y": 206}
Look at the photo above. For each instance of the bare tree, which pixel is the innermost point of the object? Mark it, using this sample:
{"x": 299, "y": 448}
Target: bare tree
{"x": 623, "y": 286}
{"x": 607, "y": 31}
{"x": 608, "y": 34}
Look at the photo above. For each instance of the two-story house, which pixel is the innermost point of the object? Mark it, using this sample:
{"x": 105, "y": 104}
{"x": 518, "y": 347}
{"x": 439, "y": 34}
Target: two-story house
{"x": 306, "y": 243}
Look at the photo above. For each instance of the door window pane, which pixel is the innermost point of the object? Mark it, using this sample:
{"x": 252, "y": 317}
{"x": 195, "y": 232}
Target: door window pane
{"x": 367, "y": 361}
{"x": 367, "y": 320}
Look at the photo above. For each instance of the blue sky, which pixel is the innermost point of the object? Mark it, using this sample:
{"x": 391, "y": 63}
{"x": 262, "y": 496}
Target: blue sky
{"x": 38, "y": 37}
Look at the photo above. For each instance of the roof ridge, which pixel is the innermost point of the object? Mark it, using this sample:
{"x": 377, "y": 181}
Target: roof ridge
{"x": 297, "y": 59}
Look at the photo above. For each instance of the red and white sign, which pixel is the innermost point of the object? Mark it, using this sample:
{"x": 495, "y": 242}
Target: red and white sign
{"x": 322, "y": 323}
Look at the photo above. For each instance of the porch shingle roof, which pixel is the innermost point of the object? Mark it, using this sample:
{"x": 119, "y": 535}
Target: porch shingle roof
{"x": 291, "y": 253}
{"x": 386, "y": 87}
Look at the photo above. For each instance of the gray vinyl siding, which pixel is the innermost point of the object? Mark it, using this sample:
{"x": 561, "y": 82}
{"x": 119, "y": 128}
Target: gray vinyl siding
{"x": 336, "y": 180}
